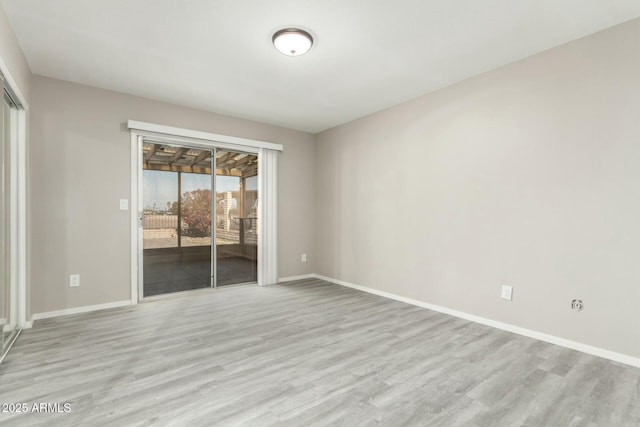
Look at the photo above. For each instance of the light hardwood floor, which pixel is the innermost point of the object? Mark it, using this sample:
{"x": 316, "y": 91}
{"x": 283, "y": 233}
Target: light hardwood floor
{"x": 303, "y": 354}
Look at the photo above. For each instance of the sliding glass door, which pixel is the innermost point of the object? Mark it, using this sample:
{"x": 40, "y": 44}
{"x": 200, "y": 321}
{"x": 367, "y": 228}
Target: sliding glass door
{"x": 178, "y": 215}
{"x": 200, "y": 223}
{"x": 8, "y": 300}
{"x": 236, "y": 217}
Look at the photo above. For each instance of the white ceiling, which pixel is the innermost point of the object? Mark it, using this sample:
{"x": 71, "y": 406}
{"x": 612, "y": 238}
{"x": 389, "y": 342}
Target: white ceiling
{"x": 217, "y": 55}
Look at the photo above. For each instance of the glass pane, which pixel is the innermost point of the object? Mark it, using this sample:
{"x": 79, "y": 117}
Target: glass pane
{"x": 160, "y": 202}
{"x": 177, "y": 191}
{"x": 251, "y": 212}
{"x": 4, "y": 283}
{"x": 7, "y": 318}
{"x": 227, "y": 214}
{"x": 196, "y": 210}
{"x": 236, "y": 218}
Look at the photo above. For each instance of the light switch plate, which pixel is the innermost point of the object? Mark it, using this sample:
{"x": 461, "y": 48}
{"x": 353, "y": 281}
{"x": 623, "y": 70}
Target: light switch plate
{"x": 507, "y": 292}
{"x": 124, "y": 204}
{"x": 74, "y": 280}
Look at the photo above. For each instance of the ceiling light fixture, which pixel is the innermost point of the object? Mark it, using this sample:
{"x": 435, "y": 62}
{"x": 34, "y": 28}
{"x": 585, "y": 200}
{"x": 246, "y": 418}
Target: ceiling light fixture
{"x": 292, "y": 41}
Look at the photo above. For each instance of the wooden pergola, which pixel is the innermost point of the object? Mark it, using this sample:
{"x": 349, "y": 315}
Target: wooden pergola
{"x": 168, "y": 158}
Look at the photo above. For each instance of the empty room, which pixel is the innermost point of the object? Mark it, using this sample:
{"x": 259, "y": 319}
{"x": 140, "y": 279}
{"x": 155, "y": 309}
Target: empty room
{"x": 310, "y": 213}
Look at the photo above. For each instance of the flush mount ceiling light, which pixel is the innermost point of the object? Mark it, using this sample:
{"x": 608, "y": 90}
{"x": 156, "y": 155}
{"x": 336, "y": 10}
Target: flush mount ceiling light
{"x": 292, "y": 41}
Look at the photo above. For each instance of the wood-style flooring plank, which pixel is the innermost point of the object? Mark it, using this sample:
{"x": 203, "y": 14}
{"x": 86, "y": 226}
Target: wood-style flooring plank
{"x": 302, "y": 354}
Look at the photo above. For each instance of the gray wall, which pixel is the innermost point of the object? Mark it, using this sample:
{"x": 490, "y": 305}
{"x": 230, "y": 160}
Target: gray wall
{"x": 80, "y": 168}
{"x": 528, "y": 175}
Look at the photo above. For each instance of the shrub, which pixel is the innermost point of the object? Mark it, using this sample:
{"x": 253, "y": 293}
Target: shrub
{"x": 196, "y": 212}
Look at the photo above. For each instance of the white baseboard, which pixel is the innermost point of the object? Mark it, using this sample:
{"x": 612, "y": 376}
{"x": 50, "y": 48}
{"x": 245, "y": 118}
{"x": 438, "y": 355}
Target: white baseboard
{"x": 292, "y": 278}
{"x": 27, "y": 325}
{"x": 78, "y": 310}
{"x": 595, "y": 351}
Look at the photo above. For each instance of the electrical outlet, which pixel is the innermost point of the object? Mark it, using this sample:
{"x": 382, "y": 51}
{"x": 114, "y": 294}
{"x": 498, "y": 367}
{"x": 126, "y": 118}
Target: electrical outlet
{"x": 303, "y": 258}
{"x": 74, "y": 280}
{"x": 507, "y": 293}
{"x": 124, "y": 204}
{"x": 577, "y": 305}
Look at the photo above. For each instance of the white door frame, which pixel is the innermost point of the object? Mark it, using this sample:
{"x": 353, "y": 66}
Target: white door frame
{"x": 18, "y": 213}
{"x": 267, "y": 228}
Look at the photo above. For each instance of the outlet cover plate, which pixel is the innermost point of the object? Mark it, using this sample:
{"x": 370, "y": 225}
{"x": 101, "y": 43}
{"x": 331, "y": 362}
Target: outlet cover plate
{"x": 507, "y": 292}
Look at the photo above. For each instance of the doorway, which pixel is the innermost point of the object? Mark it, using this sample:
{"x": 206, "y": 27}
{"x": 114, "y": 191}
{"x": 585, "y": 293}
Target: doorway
{"x": 199, "y": 222}
{"x": 9, "y": 324}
